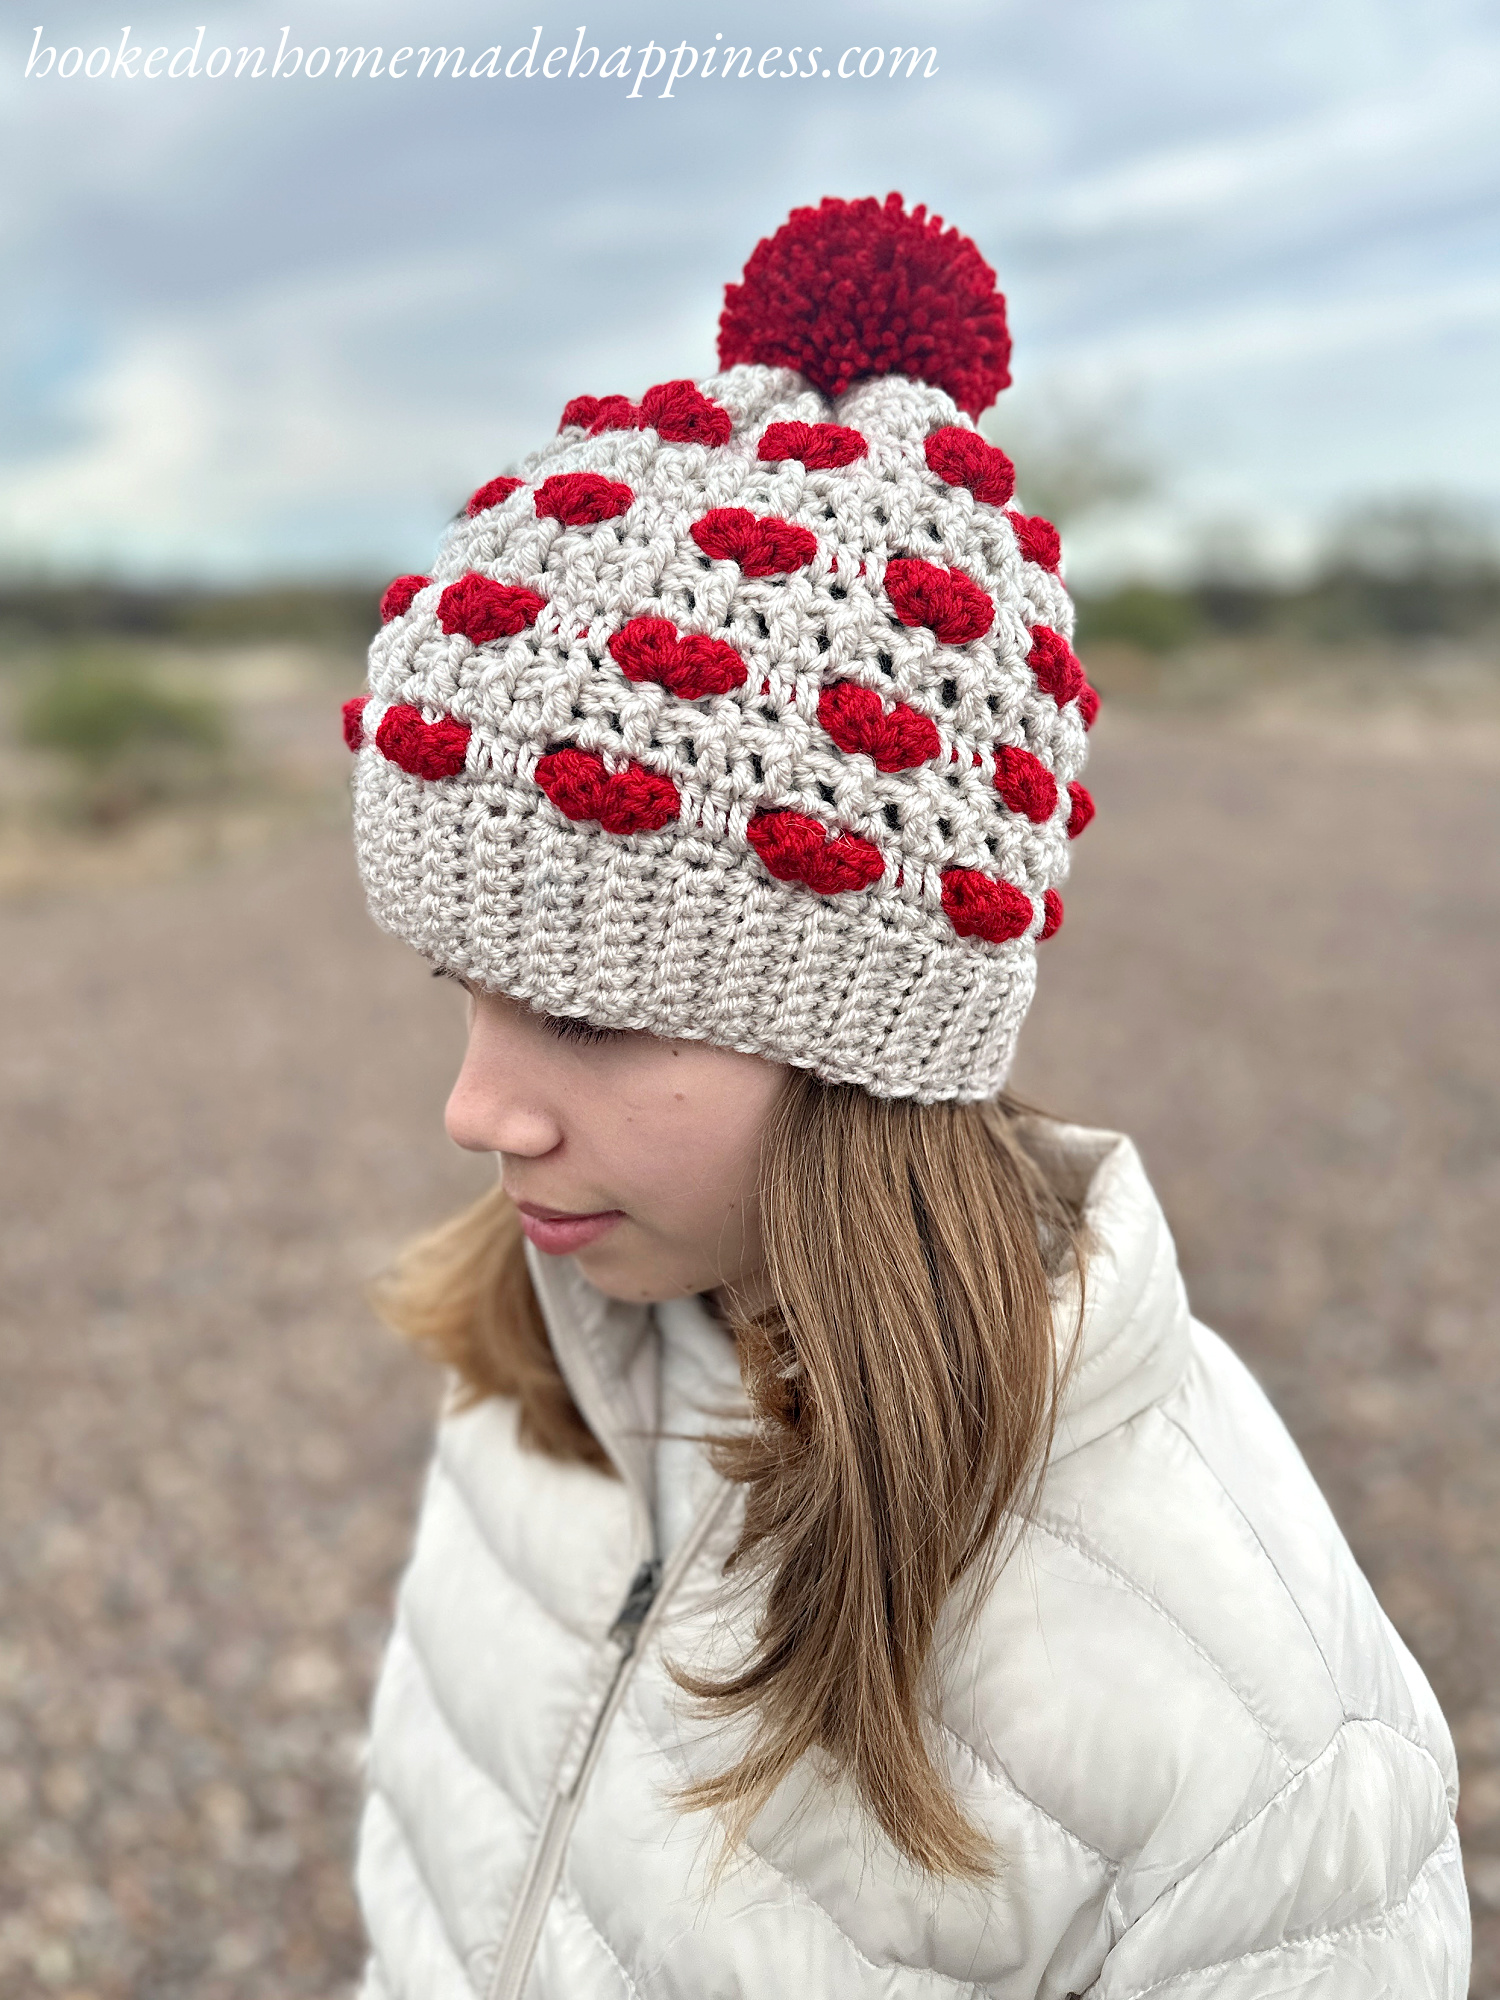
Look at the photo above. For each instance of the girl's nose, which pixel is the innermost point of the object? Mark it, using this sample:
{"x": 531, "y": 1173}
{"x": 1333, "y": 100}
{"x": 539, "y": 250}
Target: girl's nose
{"x": 497, "y": 1105}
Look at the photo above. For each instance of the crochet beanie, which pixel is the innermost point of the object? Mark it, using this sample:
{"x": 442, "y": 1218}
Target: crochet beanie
{"x": 747, "y": 711}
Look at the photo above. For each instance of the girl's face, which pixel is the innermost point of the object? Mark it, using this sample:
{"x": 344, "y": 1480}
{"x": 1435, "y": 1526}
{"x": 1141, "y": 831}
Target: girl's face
{"x": 636, "y": 1155}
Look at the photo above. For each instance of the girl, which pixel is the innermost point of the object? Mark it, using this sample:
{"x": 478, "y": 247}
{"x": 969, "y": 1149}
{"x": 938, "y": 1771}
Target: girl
{"x": 846, "y": 1568}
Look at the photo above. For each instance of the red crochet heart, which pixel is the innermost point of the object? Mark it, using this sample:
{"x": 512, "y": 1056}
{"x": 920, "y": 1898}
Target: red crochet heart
{"x": 634, "y": 800}
{"x": 1025, "y": 783}
{"x": 601, "y": 413}
{"x": 797, "y": 848}
{"x": 484, "y": 610}
{"x": 1054, "y": 665}
{"x": 978, "y": 906}
{"x": 761, "y": 544}
{"x": 491, "y": 494}
{"x": 857, "y": 720}
{"x": 1052, "y": 915}
{"x": 1088, "y": 705}
{"x": 1038, "y": 540}
{"x": 354, "y": 721}
{"x": 964, "y": 458}
{"x": 952, "y": 604}
{"x": 680, "y": 413}
{"x": 426, "y": 749}
{"x": 1083, "y": 809}
{"x": 580, "y": 499}
{"x": 398, "y": 595}
{"x": 820, "y": 447}
{"x": 689, "y": 665}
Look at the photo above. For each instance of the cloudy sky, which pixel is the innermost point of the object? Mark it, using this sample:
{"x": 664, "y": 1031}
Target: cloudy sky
{"x": 281, "y": 326}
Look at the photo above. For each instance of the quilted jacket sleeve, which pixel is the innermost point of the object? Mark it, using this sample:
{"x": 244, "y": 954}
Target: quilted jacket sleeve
{"x": 1348, "y": 1885}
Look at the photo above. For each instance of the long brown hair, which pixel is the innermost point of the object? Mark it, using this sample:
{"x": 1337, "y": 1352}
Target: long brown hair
{"x": 905, "y": 1380}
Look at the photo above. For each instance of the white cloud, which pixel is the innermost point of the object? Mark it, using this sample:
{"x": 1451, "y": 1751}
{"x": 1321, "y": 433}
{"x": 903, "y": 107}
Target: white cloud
{"x": 314, "y": 317}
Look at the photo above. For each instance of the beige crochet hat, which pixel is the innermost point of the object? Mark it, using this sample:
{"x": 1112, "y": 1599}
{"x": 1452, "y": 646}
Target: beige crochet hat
{"x": 747, "y": 712}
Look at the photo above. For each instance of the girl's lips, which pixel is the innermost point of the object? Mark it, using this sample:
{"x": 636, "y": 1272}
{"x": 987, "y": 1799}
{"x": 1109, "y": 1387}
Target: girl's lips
{"x": 560, "y": 1234}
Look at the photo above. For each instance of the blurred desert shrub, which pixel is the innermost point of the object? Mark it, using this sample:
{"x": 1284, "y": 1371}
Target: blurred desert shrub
{"x": 126, "y": 740}
{"x": 1402, "y": 575}
{"x": 335, "y": 616}
{"x": 1142, "y": 615}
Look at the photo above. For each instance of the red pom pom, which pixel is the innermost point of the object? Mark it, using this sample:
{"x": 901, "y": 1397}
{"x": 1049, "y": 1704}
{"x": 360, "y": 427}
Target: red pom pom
{"x": 855, "y": 717}
{"x": 491, "y": 494}
{"x": 1083, "y": 807}
{"x": 354, "y": 721}
{"x": 634, "y": 800}
{"x": 857, "y": 288}
{"x": 399, "y": 593}
{"x": 819, "y": 446}
{"x": 689, "y": 666}
{"x": 580, "y": 499}
{"x": 797, "y": 848}
{"x": 426, "y": 749}
{"x": 978, "y": 906}
{"x": 761, "y": 544}
{"x": 1052, "y": 916}
{"x": 952, "y": 604}
{"x": 1025, "y": 783}
{"x": 484, "y": 610}
{"x": 964, "y": 458}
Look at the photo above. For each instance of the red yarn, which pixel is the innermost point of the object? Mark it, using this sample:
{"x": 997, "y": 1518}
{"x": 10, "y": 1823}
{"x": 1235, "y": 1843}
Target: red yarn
{"x": 819, "y": 446}
{"x": 1025, "y": 783}
{"x": 1088, "y": 705}
{"x": 950, "y": 602}
{"x": 426, "y": 749}
{"x": 761, "y": 544}
{"x": 857, "y": 288}
{"x": 634, "y": 800}
{"x": 797, "y": 848}
{"x": 978, "y": 906}
{"x": 856, "y": 718}
{"x": 1052, "y": 908}
{"x": 398, "y": 595}
{"x": 964, "y": 458}
{"x": 601, "y": 413}
{"x": 1038, "y": 540}
{"x": 579, "y": 499}
{"x": 484, "y": 610}
{"x": 1083, "y": 808}
{"x": 680, "y": 413}
{"x": 1055, "y": 665}
{"x": 688, "y": 665}
{"x": 354, "y": 721}
{"x": 491, "y": 494}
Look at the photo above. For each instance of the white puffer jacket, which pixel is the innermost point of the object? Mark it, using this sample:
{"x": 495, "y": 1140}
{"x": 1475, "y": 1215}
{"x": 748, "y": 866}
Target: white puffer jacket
{"x": 1207, "y": 1761}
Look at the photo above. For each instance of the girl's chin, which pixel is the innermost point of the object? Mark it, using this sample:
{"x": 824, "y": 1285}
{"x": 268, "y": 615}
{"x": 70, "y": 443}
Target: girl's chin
{"x": 611, "y": 1269}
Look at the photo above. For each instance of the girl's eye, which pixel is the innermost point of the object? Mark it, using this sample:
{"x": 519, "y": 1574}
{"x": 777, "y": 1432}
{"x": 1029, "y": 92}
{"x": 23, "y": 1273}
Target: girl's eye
{"x": 570, "y": 1028}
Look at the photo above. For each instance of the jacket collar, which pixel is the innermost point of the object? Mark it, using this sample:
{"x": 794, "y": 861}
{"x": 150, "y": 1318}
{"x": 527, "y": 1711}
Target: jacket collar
{"x": 1127, "y": 1351}
{"x": 607, "y": 1352}
{"x": 1131, "y": 1345}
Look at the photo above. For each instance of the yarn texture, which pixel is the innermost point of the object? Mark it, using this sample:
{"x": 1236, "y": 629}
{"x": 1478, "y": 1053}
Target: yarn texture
{"x": 746, "y": 713}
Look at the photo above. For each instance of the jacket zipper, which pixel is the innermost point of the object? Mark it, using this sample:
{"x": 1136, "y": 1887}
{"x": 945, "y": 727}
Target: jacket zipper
{"x": 637, "y": 1616}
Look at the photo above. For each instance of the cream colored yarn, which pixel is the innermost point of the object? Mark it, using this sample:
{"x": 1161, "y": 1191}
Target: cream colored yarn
{"x": 683, "y": 931}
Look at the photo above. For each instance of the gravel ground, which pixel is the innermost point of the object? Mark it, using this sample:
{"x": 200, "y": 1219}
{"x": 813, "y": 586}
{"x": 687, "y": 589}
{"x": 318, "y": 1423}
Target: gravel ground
{"x": 223, "y": 1095}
